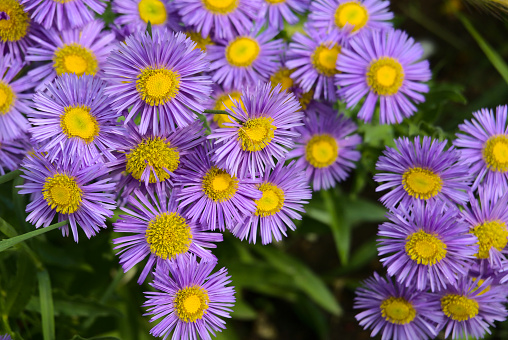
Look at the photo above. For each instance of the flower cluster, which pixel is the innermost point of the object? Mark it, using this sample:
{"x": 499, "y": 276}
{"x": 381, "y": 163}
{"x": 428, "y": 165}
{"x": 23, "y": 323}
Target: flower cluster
{"x": 445, "y": 244}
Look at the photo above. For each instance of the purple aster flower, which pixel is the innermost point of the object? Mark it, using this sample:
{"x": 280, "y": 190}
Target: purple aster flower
{"x": 158, "y": 230}
{"x": 190, "y": 299}
{"x": 64, "y": 14}
{"x": 75, "y": 120}
{"x": 483, "y": 144}
{"x": 5, "y": 337}
{"x": 79, "y": 193}
{"x": 158, "y": 77}
{"x": 384, "y": 65}
{"x": 425, "y": 245}
{"x": 326, "y": 148}
{"x": 246, "y": 59}
{"x": 284, "y": 192}
{"x": 79, "y": 51}
{"x": 488, "y": 221}
{"x": 398, "y": 312}
{"x": 12, "y": 152}
{"x": 471, "y": 307}
{"x": 353, "y": 15}
{"x": 313, "y": 57}
{"x": 14, "y": 101}
{"x": 134, "y": 15}
{"x": 222, "y": 18}
{"x": 212, "y": 196}
{"x": 258, "y": 134}
{"x": 153, "y": 158}
{"x": 279, "y": 9}
{"x": 422, "y": 171}
{"x": 15, "y": 29}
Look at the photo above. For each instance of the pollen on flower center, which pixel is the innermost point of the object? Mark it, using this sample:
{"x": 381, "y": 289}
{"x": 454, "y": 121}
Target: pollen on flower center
{"x": 385, "y": 76}
{"x": 421, "y": 183}
{"x": 63, "y": 193}
{"x": 153, "y": 11}
{"x": 7, "y": 98}
{"x": 219, "y": 185}
{"x": 272, "y": 200}
{"x": 157, "y": 86}
{"x": 168, "y": 235}
{"x": 224, "y": 102}
{"x": 324, "y": 59}
{"x": 256, "y": 133}
{"x": 459, "y": 307}
{"x": 425, "y": 248}
{"x": 282, "y": 77}
{"x": 74, "y": 58}
{"x": 321, "y": 151}
{"x": 15, "y": 26}
{"x": 397, "y": 310}
{"x": 221, "y": 6}
{"x": 156, "y": 153}
{"x": 191, "y": 303}
{"x": 495, "y": 153}
{"x": 275, "y": 1}
{"x": 242, "y": 51}
{"x": 351, "y": 13}
{"x": 201, "y": 42}
{"x": 76, "y": 121}
{"x": 490, "y": 234}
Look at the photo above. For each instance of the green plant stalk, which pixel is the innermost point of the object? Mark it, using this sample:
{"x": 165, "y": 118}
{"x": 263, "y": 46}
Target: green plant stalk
{"x": 340, "y": 230}
{"x": 6, "y": 244}
{"x": 10, "y": 176}
{"x": 221, "y": 112}
{"x": 47, "y": 309}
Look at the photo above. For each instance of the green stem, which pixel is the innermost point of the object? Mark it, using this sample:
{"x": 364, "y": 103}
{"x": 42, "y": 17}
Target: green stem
{"x": 221, "y": 112}
{"x": 10, "y": 176}
{"x": 6, "y": 244}
{"x": 340, "y": 230}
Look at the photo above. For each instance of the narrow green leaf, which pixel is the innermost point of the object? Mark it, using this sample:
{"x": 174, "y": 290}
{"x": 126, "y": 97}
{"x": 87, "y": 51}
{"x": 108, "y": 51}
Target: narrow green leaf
{"x": 47, "y": 310}
{"x": 22, "y": 285}
{"x": 77, "y": 337}
{"x": 243, "y": 311}
{"x": 6, "y": 244}
{"x": 340, "y": 229}
{"x": 10, "y": 176}
{"x": 149, "y": 28}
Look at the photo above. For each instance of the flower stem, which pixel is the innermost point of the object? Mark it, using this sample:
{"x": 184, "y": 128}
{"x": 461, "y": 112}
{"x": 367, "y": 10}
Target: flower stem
{"x": 7, "y": 243}
{"x": 10, "y": 176}
{"x": 221, "y": 112}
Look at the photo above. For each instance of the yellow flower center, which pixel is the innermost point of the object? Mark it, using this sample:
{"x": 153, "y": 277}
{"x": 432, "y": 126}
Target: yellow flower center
{"x": 157, "y": 86}
{"x": 459, "y": 307}
{"x": 321, "y": 151}
{"x": 224, "y": 102}
{"x": 219, "y": 185}
{"x": 74, "y": 58}
{"x": 168, "y": 235}
{"x": 242, "y": 51}
{"x": 153, "y": 11}
{"x": 283, "y": 77}
{"x": 425, "y": 248}
{"x": 397, "y": 310}
{"x": 15, "y": 27}
{"x": 324, "y": 59}
{"x": 156, "y": 153}
{"x": 495, "y": 153}
{"x": 490, "y": 234}
{"x": 478, "y": 284}
{"x": 77, "y": 121}
{"x": 385, "y": 76}
{"x": 272, "y": 200}
{"x": 256, "y": 133}
{"x": 7, "y": 98}
{"x": 306, "y": 98}
{"x": 351, "y": 13}
{"x": 191, "y": 303}
{"x": 201, "y": 42}
{"x": 63, "y": 193}
{"x": 275, "y": 1}
{"x": 421, "y": 183}
{"x": 221, "y": 6}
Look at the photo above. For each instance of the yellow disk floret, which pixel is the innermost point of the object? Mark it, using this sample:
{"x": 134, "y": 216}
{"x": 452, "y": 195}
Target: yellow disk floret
{"x": 398, "y": 311}
{"x": 495, "y": 153}
{"x": 221, "y": 6}
{"x": 324, "y": 59}
{"x": 201, "y": 42}
{"x": 7, "y": 98}
{"x": 191, "y": 303}
{"x": 15, "y": 26}
{"x": 385, "y": 76}
{"x": 168, "y": 235}
{"x": 256, "y": 133}
{"x": 219, "y": 185}
{"x": 272, "y": 200}
{"x": 321, "y": 151}
{"x": 242, "y": 51}
{"x": 157, "y": 86}
{"x": 226, "y": 101}
{"x": 155, "y": 152}
{"x": 282, "y": 77}
{"x": 352, "y": 13}
{"x": 153, "y": 11}
{"x": 459, "y": 307}
{"x": 77, "y": 121}
{"x": 490, "y": 234}
{"x": 425, "y": 248}
{"x": 62, "y": 193}
{"x": 74, "y": 58}
{"x": 421, "y": 183}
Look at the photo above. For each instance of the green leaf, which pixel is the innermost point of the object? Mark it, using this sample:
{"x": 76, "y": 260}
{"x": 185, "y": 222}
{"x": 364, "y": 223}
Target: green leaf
{"x": 149, "y": 28}
{"x": 77, "y": 337}
{"x": 10, "y": 176}
{"x": 47, "y": 310}
{"x": 242, "y": 310}
{"x": 22, "y": 286}
{"x": 302, "y": 276}
{"x": 6, "y": 244}
{"x": 361, "y": 210}
{"x": 341, "y": 230}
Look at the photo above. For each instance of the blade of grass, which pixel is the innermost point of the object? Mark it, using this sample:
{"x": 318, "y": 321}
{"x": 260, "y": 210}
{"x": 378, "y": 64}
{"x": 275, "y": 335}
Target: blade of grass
{"x": 7, "y": 243}
{"x": 9, "y": 176}
{"x": 47, "y": 309}
{"x": 340, "y": 229}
